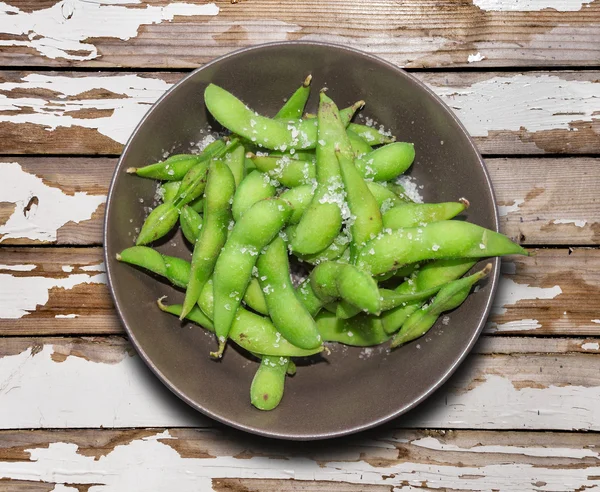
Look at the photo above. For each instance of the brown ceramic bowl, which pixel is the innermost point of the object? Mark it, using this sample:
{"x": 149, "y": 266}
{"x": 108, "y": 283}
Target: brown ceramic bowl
{"x": 351, "y": 389}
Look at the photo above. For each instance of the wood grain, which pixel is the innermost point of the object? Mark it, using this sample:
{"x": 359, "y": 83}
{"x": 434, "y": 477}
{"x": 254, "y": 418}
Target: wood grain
{"x": 415, "y": 33}
{"x": 81, "y": 113}
{"x": 554, "y": 292}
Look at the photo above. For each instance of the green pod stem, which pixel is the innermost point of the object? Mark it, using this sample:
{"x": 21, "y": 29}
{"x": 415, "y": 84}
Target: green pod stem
{"x": 414, "y": 214}
{"x": 300, "y": 198}
{"x": 322, "y": 220}
{"x": 233, "y": 269}
{"x": 158, "y": 223}
{"x": 217, "y": 216}
{"x": 361, "y": 331}
{"x": 387, "y": 162}
{"x": 176, "y": 166}
{"x": 255, "y": 187}
{"x": 254, "y": 297}
{"x": 291, "y": 370}
{"x": 294, "y": 106}
{"x": 289, "y": 172}
{"x": 367, "y": 221}
{"x": 429, "y": 276}
{"x": 308, "y": 298}
{"x": 250, "y": 331}
{"x": 176, "y": 270}
{"x": 332, "y": 252}
{"x": 236, "y": 161}
{"x": 359, "y": 144}
{"x": 443, "y": 239}
{"x": 370, "y": 134}
{"x": 266, "y": 390}
{"x": 385, "y": 197}
{"x": 168, "y": 190}
{"x": 191, "y": 223}
{"x": 450, "y": 296}
{"x": 289, "y": 315}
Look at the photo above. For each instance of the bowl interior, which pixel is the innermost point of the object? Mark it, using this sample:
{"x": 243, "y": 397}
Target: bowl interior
{"x": 352, "y": 388}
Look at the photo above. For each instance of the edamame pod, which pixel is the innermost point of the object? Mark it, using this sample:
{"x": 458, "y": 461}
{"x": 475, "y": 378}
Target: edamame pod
{"x": 233, "y": 269}
{"x": 308, "y": 298}
{"x": 254, "y": 297}
{"x": 361, "y": 331}
{"x": 385, "y": 197}
{"x": 191, "y": 223}
{"x": 294, "y": 106}
{"x": 370, "y": 134}
{"x": 289, "y": 315}
{"x": 255, "y": 187}
{"x": 217, "y": 216}
{"x": 267, "y": 386}
{"x": 443, "y": 239}
{"x": 168, "y": 190}
{"x": 300, "y": 198}
{"x": 236, "y": 161}
{"x": 158, "y": 223}
{"x": 414, "y": 214}
{"x": 387, "y": 162}
{"x": 449, "y": 297}
{"x": 289, "y": 172}
{"x": 332, "y": 252}
{"x": 359, "y": 145}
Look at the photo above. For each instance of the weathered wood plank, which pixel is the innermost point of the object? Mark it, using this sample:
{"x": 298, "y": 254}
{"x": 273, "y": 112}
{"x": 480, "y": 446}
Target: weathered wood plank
{"x": 416, "y": 33}
{"x": 226, "y": 460}
{"x": 75, "y": 113}
{"x": 537, "y": 204}
{"x": 62, "y": 291}
{"x": 86, "y": 382}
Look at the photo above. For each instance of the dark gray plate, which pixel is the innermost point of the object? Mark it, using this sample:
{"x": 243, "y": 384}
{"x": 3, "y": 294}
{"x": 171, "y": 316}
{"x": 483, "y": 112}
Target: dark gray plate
{"x": 351, "y": 389}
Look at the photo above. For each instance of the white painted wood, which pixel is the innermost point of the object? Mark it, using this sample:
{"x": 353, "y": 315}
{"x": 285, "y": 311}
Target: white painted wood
{"x": 532, "y": 5}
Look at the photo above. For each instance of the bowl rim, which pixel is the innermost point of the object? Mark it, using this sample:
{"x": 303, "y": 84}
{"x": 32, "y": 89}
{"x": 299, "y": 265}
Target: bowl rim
{"x": 493, "y": 279}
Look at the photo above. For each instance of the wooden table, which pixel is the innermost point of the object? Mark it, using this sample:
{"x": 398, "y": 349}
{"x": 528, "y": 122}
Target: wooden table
{"x": 78, "y": 408}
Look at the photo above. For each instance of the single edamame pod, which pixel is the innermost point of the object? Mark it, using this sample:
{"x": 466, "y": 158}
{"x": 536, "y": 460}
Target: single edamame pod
{"x": 254, "y": 187}
{"x": 359, "y": 145}
{"x": 429, "y": 276}
{"x": 387, "y": 162}
{"x": 308, "y": 298}
{"x": 299, "y": 197}
{"x": 158, "y": 223}
{"x": 254, "y": 297}
{"x": 443, "y": 239}
{"x": 384, "y": 196}
{"x": 289, "y": 315}
{"x": 233, "y": 269}
{"x": 267, "y": 386}
{"x": 294, "y": 106}
{"x": 191, "y": 223}
{"x": 289, "y": 172}
{"x": 176, "y": 270}
{"x": 217, "y": 216}
{"x": 449, "y": 297}
{"x": 361, "y": 331}
{"x": 236, "y": 161}
{"x": 370, "y": 134}
{"x": 332, "y": 252}
{"x": 414, "y": 214}
{"x": 168, "y": 190}
{"x": 250, "y": 331}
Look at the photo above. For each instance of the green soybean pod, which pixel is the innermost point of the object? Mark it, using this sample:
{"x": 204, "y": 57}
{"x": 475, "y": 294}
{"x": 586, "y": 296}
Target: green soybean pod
{"x": 429, "y": 276}
{"x": 346, "y": 114}
{"x": 267, "y": 386}
{"x": 217, "y": 216}
{"x": 299, "y": 197}
{"x": 332, "y": 252}
{"x": 233, "y": 269}
{"x": 308, "y": 298}
{"x": 414, "y": 214}
{"x": 193, "y": 184}
{"x": 449, "y": 297}
{"x": 385, "y": 197}
{"x": 294, "y": 106}
{"x": 370, "y": 134}
{"x": 191, "y": 223}
{"x": 254, "y": 297}
{"x": 367, "y": 221}
{"x": 255, "y": 187}
{"x": 359, "y": 145}
{"x": 443, "y": 239}
{"x": 387, "y": 162}
{"x": 289, "y": 315}
{"x": 176, "y": 270}
{"x": 236, "y": 161}
{"x": 196, "y": 315}
{"x": 361, "y": 331}
{"x": 322, "y": 220}
{"x": 289, "y": 172}
{"x": 158, "y": 223}
{"x": 168, "y": 190}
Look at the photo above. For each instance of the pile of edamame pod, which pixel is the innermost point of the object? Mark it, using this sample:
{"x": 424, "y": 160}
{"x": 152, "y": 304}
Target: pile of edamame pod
{"x": 321, "y": 191}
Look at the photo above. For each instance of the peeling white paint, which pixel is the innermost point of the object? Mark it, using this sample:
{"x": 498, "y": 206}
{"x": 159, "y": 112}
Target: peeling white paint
{"x": 531, "y": 5}
{"x": 510, "y": 292}
{"x": 533, "y": 102}
{"x": 475, "y": 58}
{"x": 66, "y": 316}
{"x": 20, "y": 296}
{"x": 591, "y": 346}
{"x": 100, "y": 267}
{"x": 578, "y": 223}
{"x": 518, "y": 325}
{"x": 65, "y": 29}
{"x": 138, "y": 95}
{"x": 504, "y": 210}
{"x": 596, "y": 321}
{"x": 433, "y": 443}
{"x": 53, "y": 210}
{"x": 67, "y": 268}
{"x": 18, "y": 268}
